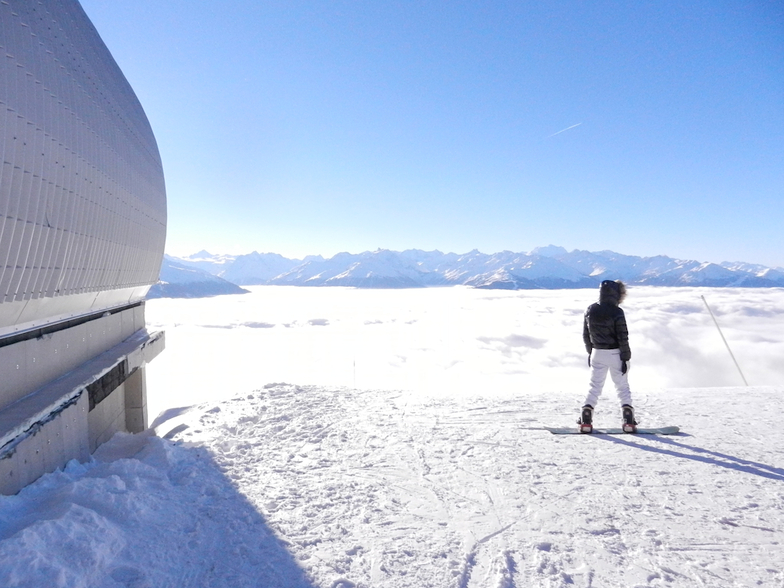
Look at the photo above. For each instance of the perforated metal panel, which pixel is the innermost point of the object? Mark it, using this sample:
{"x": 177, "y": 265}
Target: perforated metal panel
{"x": 82, "y": 196}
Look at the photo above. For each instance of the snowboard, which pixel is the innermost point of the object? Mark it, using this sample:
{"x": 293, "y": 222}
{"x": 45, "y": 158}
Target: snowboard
{"x": 613, "y": 431}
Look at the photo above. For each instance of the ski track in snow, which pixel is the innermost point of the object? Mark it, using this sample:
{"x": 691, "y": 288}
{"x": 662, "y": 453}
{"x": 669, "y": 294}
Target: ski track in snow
{"x": 375, "y": 488}
{"x": 343, "y": 488}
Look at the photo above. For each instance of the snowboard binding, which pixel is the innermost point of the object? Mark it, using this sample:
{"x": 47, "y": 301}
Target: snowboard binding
{"x": 586, "y": 419}
{"x": 629, "y": 424}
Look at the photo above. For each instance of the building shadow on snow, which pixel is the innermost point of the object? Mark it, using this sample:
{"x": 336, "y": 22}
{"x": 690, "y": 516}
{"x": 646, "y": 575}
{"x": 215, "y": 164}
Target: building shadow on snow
{"x": 209, "y": 534}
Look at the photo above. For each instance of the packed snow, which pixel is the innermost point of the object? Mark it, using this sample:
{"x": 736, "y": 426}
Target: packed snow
{"x": 360, "y": 438}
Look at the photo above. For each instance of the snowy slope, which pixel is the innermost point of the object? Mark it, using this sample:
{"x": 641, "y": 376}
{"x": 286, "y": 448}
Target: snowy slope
{"x": 206, "y": 261}
{"x": 180, "y": 281}
{"x": 257, "y": 268}
{"x": 315, "y": 486}
{"x": 409, "y": 452}
{"x": 514, "y": 271}
{"x": 757, "y": 275}
{"x": 380, "y": 269}
{"x": 708, "y": 274}
{"x": 658, "y": 270}
{"x": 430, "y": 262}
{"x": 377, "y": 269}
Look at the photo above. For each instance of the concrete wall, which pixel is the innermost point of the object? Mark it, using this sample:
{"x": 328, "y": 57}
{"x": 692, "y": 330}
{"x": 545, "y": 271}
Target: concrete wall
{"x": 45, "y": 449}
{"x": 69, "y": 416}
{"x": 29, "y": 364}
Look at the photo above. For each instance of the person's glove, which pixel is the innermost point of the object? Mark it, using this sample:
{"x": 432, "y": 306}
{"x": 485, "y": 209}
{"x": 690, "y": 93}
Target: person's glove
{"x": 624, "y": 367}
{"x": 589, "y": 360}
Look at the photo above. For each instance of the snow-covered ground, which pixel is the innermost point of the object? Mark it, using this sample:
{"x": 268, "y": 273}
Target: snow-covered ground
{"x": 406, "y": 449}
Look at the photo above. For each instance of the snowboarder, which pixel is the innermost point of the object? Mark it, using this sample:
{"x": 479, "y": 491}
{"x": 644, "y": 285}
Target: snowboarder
{"x": 606, "y": 339}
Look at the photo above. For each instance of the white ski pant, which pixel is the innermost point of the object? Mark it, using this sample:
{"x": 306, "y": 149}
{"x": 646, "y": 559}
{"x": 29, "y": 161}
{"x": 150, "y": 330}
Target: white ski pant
{"x": 603, "y": 361}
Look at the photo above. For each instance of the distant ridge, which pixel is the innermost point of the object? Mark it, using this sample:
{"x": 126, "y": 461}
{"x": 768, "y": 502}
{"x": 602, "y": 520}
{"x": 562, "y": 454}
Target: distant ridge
{"x": 181, "y": 281}
{"x": 550, "y": 267}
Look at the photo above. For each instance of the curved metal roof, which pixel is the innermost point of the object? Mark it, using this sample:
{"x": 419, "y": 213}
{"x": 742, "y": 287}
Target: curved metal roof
{"x": 82, "y": 195}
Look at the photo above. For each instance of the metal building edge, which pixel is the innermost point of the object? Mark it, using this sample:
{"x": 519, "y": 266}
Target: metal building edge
{"x": 82, "y": 235}
{"x": 73, "y": 415}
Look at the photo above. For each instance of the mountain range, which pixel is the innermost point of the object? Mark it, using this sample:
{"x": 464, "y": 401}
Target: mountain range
{"x": 548, "y": 267}
{"x": 183, "y": 281}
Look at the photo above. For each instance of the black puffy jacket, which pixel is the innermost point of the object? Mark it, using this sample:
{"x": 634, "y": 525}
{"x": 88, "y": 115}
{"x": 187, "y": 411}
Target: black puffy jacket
{"x": 604, "y": 326}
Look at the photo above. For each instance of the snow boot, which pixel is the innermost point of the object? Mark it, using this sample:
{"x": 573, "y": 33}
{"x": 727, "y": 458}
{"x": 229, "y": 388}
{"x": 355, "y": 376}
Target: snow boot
{"x": 629, "y": 424}
{"x": 586, "y": 419}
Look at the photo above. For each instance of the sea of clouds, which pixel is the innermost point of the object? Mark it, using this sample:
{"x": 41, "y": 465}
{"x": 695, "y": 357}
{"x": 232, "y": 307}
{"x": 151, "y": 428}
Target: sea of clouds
{"x": 446, "y": 341}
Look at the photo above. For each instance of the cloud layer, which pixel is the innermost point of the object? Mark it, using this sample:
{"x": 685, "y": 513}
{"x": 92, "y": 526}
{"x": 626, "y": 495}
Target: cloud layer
{"x": 445, "y": 341}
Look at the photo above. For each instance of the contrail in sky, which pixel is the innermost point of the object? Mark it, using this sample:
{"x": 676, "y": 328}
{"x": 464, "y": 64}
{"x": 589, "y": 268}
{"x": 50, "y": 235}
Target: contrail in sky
{"x": 563, "y": 130}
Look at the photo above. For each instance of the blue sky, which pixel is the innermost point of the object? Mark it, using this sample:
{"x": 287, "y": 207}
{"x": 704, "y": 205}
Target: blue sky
{"x": 307, "y": 127}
